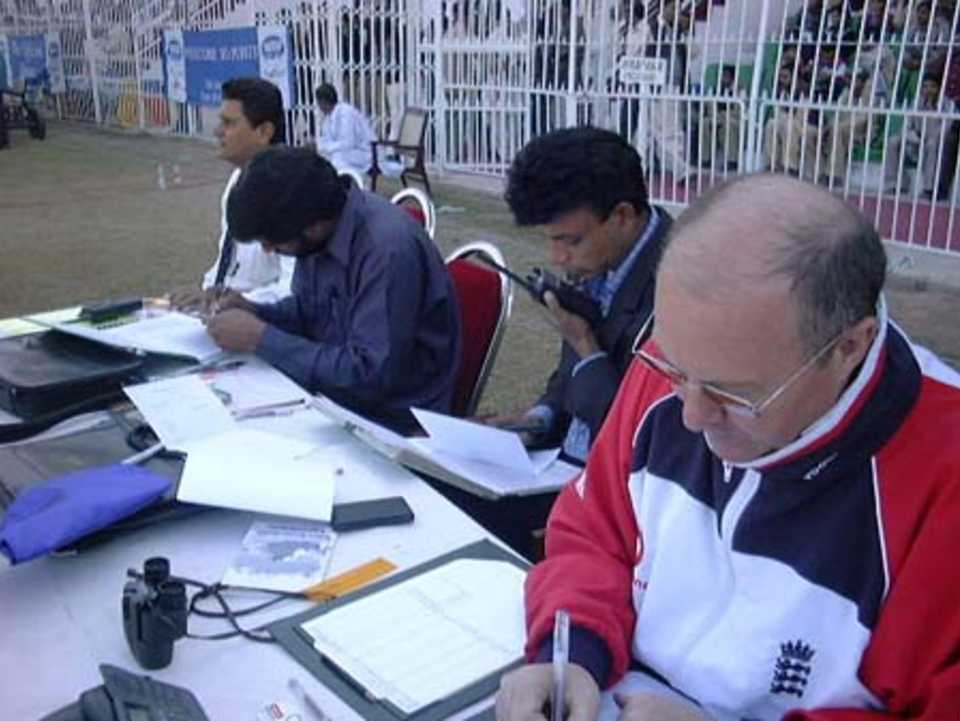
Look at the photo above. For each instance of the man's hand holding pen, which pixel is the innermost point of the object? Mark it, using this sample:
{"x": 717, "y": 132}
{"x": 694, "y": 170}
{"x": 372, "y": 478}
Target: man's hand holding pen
{"x": 232, "y": 323}
{"x": 220, "y": 299}
{"x": 209, "y": 301}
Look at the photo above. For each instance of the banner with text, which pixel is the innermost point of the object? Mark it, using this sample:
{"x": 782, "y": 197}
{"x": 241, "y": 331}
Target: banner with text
{"x": 32, "y": 58}
{"x": 27, "y": 58}
{"x": 198, "y": 62}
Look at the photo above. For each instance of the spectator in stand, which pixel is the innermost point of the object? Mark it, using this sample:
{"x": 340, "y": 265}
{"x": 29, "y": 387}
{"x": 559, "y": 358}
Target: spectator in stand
{"x": 875, "y": 55}
{"x": 926, "y": 34}
{"x": 850, "y": 128}
{"x": 721, "y": 125}
{"x": 951, "y": 89}
{"x": 788, "y": 135}
{"x": 667, "y": 40}
{"x": 816, "y": 19}
{"x": 631, "y": 36}
{"x": 922, "y": 140}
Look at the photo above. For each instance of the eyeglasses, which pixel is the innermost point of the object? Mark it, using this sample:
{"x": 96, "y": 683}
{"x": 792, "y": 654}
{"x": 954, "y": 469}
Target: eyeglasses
{"x": 731, "y": 402}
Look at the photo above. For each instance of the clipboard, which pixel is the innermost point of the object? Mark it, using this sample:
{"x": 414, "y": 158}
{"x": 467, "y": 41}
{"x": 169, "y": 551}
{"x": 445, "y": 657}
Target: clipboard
{"x": 298, "y": 644}
{"x": 485, "y": 485}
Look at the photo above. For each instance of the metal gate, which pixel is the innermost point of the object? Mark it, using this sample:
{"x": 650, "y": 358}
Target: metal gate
{"x": 703, "y": 88}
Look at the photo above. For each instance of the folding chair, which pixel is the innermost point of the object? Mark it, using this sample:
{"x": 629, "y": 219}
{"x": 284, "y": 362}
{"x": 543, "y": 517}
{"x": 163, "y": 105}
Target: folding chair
{"x": 424, "y": 211}
{"x": 486, "y": 299}
{"x": 408, "y": 147}
{"x": 354, "y": 176}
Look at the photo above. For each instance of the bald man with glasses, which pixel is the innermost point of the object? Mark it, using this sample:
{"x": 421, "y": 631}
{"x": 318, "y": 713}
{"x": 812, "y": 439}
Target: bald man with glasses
{"x": 767, "y": 525}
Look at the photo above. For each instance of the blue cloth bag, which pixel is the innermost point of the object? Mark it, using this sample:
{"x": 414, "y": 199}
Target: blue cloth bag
{"x": 54, "y": 513}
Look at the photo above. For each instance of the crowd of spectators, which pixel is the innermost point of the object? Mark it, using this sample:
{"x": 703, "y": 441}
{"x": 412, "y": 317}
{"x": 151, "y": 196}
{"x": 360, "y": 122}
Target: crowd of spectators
{"x": 881, "y": 75}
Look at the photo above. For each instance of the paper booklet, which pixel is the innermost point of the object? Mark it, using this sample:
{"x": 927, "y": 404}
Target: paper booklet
{"x": 167, "y": 332}
{"x": 282, "y": 555}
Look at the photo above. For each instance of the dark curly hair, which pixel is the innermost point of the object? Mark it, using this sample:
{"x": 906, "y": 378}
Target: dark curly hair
{"x": 281, "y": 193}
{"x": 569, "y": 169}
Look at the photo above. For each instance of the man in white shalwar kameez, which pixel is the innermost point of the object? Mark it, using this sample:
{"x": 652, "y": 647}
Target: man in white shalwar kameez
{"x": 346, "y": 134}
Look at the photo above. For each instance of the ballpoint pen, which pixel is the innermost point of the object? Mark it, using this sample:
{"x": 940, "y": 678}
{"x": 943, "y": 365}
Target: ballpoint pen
{"x": 306, "y": 699}
{"x": 561, "y": 654}
{"x": 143, "y": 455}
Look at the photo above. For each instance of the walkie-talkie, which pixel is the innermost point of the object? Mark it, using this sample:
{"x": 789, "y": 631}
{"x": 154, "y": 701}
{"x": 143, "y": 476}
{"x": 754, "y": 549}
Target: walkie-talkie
{"x": 539, "y": 281}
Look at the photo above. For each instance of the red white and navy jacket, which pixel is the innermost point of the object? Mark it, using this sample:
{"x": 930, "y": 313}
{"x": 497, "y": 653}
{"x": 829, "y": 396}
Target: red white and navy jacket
{"x": 818, "y": 583}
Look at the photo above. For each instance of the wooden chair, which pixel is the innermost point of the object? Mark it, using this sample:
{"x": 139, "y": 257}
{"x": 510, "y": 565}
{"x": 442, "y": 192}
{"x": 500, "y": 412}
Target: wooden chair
{"x": 408, "y": 147}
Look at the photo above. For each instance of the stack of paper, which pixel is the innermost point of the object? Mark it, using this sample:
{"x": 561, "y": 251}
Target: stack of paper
{"x": 230, "y": 466}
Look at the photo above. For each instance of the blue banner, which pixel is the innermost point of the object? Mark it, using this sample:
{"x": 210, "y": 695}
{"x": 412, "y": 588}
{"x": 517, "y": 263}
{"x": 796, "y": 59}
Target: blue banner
{"x": 198, "y": 62}
{"x": 27, "y": 57}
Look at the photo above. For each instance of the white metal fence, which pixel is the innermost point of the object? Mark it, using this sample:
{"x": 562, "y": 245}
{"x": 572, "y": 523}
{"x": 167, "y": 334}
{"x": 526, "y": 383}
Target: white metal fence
{"x": 830, "y": 90}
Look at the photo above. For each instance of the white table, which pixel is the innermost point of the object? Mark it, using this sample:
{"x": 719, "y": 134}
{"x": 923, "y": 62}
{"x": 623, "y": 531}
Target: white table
{"x": 60, "y": 617}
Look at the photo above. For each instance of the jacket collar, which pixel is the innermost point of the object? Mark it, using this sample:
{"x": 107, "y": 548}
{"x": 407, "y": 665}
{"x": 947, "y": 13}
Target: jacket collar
{"x": 866, "y": 415}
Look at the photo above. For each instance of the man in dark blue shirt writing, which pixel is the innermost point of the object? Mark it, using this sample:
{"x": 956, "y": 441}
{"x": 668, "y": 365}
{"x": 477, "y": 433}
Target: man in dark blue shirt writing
{"x": 372, "y": 321}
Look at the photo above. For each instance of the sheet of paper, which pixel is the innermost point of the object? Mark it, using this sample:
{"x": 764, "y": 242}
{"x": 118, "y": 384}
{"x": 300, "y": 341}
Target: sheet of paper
{"x": 250, "y": 470}
{"x": 13, "y": 327}
{"x": 172, "y": 333}
{"x": 282, "y": 555}
{"x": 181, "y": 410}
{"x": 63, "y": 315}
{"x": 474, "y": 441}
{"x": 502, "y": 481}
{"x": 430, "y": 636}
{"x": 250, "y": 386}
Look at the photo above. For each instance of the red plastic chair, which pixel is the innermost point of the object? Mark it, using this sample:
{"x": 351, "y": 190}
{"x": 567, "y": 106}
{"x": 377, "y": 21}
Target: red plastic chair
{"x": 485, "y": 298}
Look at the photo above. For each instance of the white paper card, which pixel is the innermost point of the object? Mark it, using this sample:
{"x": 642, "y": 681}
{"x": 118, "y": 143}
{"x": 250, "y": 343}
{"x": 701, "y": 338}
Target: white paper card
{"x": 251, "y": 470}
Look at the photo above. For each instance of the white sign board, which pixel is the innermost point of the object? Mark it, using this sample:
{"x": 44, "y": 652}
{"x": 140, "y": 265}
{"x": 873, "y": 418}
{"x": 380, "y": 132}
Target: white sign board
{"x": 275, "y": 58}
{"x": 176, "y": 65}
{"x": 646, "y": 71}
{"x": 58, "y": 83}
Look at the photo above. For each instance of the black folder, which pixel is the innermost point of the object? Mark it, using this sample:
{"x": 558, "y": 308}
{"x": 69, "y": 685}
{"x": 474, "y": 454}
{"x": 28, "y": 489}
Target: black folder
{"x": 298, "y": 644}
{"x": 49, "y": 372}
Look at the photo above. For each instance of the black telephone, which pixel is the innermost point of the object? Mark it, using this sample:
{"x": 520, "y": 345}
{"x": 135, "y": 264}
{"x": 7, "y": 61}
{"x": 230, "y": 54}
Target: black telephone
{"x": 126, "y": 696}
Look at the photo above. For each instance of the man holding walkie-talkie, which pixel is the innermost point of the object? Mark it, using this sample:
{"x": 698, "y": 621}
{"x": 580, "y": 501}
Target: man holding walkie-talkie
{"x": 586, "y": 188}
